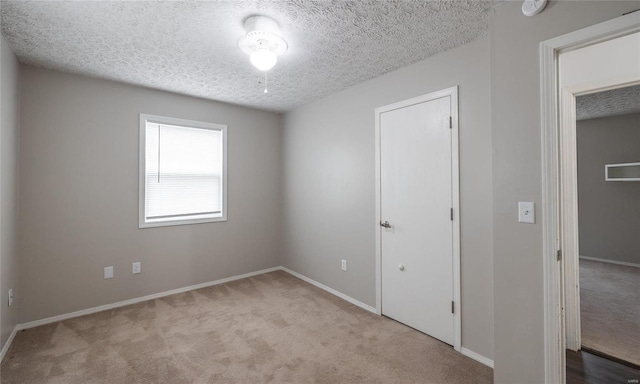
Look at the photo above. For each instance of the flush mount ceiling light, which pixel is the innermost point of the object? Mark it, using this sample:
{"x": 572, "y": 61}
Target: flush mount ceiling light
{"x": 262, "y": 42}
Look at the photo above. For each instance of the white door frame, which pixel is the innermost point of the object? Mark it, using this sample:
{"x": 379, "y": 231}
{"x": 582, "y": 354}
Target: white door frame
{"x": 559, "y": 202}
{"x": 569, "y": 241}
{"x": 455, "y": 190}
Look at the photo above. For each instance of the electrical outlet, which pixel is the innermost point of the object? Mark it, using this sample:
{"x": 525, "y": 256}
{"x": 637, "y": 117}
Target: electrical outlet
{"x": 108, "y": 272}
{"x": 344, "y": 265}
{"x": 135, "y": 268}
{"x": 10, "y": 296}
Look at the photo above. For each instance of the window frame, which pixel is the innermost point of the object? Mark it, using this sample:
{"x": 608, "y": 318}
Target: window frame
{"x": 142, "y": 188}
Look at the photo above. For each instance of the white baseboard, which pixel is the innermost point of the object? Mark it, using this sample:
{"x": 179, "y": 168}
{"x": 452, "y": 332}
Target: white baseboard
{"x": 331, "y": 290}
{"x": 136, "y": 300}
{"x": 53, "y": 319}
{"x": 467, "y": 352}
{"x": 611, "y": 261}
{"x": 477, "y": 357}
{"x": 6, "y": 346}
{"x": 484, "y": 360}
{"x": 106, "y": 307}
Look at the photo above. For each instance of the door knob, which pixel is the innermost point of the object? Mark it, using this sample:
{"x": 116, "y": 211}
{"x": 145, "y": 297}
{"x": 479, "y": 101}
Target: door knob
{"x": 401, "y": 267}
{"x": 385, "y": 224}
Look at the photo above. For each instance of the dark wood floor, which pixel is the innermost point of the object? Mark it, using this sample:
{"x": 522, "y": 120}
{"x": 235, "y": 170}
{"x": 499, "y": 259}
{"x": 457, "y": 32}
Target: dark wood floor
{"x": 586, "y": 368}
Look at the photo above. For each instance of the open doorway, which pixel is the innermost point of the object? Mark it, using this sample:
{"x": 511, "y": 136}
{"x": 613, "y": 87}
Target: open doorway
{"x": 600, "y": 296}
{"x": 608, "y": 177}
{"x": 595, "y": 59}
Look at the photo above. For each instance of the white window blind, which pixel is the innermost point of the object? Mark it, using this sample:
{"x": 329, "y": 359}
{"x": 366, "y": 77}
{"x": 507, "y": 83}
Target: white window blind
{"x": 183, "y": 173}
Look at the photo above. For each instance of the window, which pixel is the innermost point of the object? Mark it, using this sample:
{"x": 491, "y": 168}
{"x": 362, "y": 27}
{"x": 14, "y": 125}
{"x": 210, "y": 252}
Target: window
{"x": 182, "y": 171}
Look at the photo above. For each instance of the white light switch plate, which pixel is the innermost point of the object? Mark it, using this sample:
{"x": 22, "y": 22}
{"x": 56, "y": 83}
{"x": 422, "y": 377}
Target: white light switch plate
{"x": 135, "y": 268}
{"x": 108, "y": 272}
{"x": 526, "y": 212}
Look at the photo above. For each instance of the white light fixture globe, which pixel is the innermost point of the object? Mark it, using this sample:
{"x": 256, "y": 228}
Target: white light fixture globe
{"x": 262, "y": 42}
{"x": 263, "y": 59}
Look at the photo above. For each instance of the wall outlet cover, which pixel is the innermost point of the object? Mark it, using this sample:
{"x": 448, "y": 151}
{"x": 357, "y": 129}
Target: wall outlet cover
{"x": 108, "y": 272}
{"x": 344, "y": 265}
{"x": 136, "y": 267}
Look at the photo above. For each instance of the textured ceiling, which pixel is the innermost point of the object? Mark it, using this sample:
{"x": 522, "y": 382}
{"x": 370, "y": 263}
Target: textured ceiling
{"x": 619, "y": 101}
{"x": 190, "y": 47}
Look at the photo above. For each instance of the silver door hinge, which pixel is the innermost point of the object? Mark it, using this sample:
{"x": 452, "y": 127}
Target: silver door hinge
{"x": 450, "y": 122}
{"x": 453, "y": 307}
{"x": 451, "y": 214}
{"x": 559, "y": 254}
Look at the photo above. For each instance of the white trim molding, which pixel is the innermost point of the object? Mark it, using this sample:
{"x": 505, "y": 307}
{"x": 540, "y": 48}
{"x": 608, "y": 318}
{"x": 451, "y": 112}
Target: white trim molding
{"x": 106, "y": 307}
{"x": 32, "y": 324}
{"x": 455, "y": 191}
{"x": 569, "y": 240}
{"x": 554, "y": 326}
{"x": 6, "y": 346}
{"x": 553, "y": 337}
{"x": 332, "y": 291}
{"x": 477, "y": 357}
{"x": 608, "y": 261}
{"x": 568, "y": 157}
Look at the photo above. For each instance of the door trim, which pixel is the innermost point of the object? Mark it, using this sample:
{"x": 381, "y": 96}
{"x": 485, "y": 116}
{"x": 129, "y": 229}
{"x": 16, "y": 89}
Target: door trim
{"x": 551, "y": 129}
{"x": 455, "y": 192}
{"x": 569, "y": 241}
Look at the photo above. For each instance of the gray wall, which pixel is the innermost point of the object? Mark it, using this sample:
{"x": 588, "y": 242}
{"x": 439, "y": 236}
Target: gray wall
{"x": 329, "y": 186}
{"x": 9, "y": 114}
{"x": 609, "y": 212}
{"x": 79, "y": 196}
{"x": 79, "y": 144}
{"x": 516, "y": 141}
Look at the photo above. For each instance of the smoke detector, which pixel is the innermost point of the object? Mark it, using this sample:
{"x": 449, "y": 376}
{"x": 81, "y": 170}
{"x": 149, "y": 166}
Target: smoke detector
{"x": 262, "y": 42}
{"x": 533, "y": 7}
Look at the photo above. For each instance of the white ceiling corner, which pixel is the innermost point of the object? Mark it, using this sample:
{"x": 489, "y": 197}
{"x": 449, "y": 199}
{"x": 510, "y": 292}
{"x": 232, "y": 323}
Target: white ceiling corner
{"x": 191, "y": 47}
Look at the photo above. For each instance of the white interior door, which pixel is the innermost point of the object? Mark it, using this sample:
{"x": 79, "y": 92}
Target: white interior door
{"x": 416, "y": 199}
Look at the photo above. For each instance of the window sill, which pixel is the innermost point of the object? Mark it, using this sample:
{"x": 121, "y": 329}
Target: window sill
{"x": 170, "y": 223}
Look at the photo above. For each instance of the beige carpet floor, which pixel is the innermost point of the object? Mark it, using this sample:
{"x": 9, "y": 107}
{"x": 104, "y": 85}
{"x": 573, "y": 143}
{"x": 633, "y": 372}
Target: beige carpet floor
{"x": 271, "y": 328}
{"x": 610, "y": 309}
